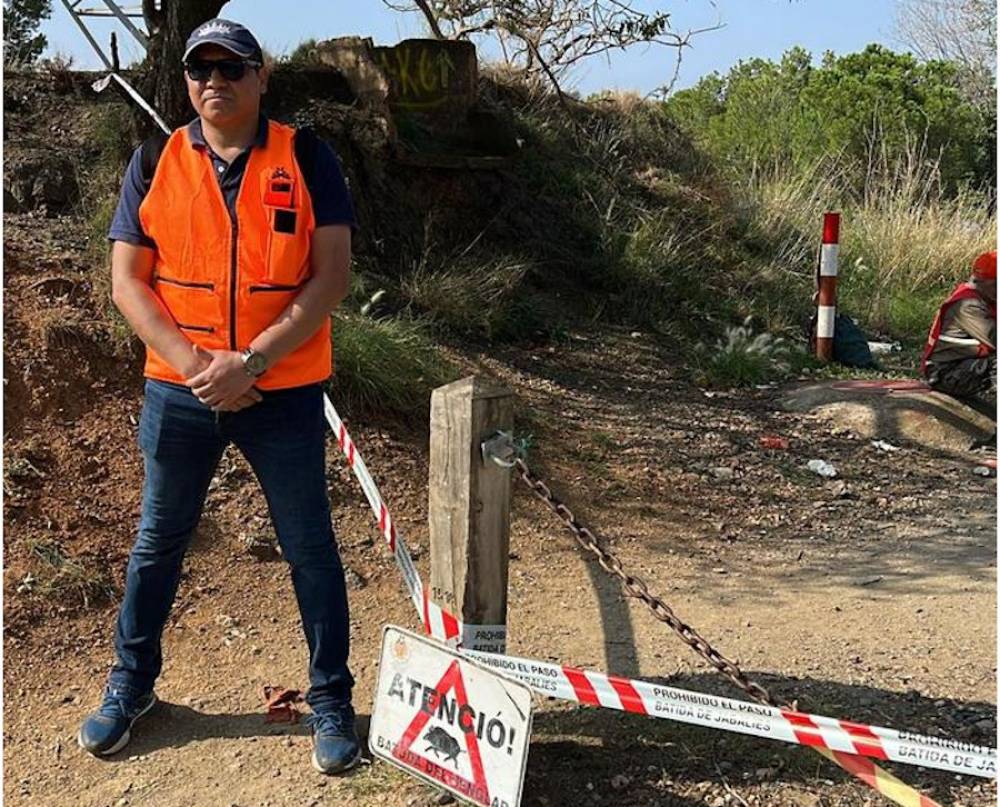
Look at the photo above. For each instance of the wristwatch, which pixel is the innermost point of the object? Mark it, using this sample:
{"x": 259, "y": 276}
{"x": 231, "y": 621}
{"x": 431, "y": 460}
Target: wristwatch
{"x": 253, "y": 362}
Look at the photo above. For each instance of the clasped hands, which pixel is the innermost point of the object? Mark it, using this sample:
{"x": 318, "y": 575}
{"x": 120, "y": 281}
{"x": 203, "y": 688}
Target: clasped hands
{"x": 221, "y": 381}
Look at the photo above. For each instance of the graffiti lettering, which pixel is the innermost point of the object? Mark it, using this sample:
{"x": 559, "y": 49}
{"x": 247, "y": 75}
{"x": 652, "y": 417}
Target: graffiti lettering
{"x": 421, "y": 74}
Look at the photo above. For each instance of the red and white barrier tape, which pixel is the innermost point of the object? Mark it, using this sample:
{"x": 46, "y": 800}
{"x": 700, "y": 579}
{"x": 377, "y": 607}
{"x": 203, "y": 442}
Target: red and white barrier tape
{"x": 436, "y": 621}
{"x": 742, "y": 717}
{"x": 846, "y": 743}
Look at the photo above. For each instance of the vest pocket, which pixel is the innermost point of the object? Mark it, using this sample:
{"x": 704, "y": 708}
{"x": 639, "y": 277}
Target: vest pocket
{"x": 194, "y": 306}
{"x": 184, "y": 284}
{"x": 287, "y": 247}
{"x": 277, "y": 287}
{"x": 267, "y": 303}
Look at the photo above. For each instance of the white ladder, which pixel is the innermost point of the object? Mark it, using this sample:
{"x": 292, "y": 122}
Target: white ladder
{"x": 110, "y": 9}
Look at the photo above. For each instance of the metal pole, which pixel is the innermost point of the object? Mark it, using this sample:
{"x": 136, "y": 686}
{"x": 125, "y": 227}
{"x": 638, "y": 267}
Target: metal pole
{"x": 131, "y": 26}
{"x": 93, "y": 42}
{"x": 141, "y": 102}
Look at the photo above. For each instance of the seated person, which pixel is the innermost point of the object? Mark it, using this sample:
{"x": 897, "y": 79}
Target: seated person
{"x": 960, "y": 357}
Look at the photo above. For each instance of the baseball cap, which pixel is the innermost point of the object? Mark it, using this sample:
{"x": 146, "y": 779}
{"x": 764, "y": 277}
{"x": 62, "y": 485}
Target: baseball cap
{"x": 227, "y": 34}
{"x": 985, "y": 266}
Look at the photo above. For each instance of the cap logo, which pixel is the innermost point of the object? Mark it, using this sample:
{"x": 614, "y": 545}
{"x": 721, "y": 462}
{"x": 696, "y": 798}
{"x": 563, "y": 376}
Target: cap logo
{"x": 214, "y": 27}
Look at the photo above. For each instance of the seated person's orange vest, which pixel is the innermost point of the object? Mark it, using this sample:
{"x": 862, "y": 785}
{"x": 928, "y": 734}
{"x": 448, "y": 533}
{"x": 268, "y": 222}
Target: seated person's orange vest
{"x": 223, "y": 282}
{"x": 983, "y": 268}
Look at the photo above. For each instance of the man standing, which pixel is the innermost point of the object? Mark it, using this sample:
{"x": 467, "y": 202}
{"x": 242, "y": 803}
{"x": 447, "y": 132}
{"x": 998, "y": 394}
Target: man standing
{"x": 231, "y": 246}
{"x": 960, "y": 358}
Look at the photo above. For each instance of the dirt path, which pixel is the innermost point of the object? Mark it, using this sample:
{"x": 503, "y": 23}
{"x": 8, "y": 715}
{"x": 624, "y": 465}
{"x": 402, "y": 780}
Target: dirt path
{"x": 871, "y": 597}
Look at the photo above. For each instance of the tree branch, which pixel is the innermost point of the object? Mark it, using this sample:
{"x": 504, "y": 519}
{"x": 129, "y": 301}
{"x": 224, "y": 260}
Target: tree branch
{"x": 548, "y": 72}
{"x": 431, "y": 19}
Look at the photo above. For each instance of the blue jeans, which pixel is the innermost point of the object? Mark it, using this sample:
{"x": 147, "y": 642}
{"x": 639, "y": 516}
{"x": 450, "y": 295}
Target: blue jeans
{"x": 283, "y": 439}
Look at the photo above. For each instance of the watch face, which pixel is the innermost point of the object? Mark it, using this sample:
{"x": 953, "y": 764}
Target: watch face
{"x": 256, "y": 363}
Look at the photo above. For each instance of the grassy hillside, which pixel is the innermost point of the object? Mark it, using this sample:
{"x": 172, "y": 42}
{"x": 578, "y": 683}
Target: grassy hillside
{"x": 606, "y": 214}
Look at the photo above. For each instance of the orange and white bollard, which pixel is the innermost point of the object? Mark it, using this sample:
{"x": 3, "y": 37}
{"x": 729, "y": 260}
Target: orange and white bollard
{"x": 826, "y": 312}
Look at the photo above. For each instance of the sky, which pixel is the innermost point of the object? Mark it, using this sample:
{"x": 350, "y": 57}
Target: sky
{"x": 751, "y": 28}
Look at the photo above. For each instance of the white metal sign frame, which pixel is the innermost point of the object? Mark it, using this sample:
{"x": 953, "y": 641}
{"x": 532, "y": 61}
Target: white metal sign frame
{"x": 453, "y": 722}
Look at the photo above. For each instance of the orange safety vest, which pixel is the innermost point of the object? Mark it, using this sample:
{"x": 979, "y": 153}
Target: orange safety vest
{"x": 223, "y": 282}
{"x": 963, "y": 291}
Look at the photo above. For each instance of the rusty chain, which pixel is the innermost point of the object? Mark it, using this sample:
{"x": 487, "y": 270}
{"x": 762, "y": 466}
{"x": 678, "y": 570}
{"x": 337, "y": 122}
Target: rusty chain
{"x": 637, "y": 587}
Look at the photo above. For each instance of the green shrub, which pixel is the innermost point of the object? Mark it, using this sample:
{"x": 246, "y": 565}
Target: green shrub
{"x": 469, "y": 297}
{"x": 793, "y": 114}
{"x": 910, "y": 315}
{"x": 742, "y": 358}
{"x": 384, "y": 366}
{"x": 303, "y": 54}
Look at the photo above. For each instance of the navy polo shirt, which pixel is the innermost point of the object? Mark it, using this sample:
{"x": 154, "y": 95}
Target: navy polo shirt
{"x": 331, "y": 199}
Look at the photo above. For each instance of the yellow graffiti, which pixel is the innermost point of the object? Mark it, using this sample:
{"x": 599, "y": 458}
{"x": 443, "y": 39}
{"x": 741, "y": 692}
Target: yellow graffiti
{"x": 421, "y": 78}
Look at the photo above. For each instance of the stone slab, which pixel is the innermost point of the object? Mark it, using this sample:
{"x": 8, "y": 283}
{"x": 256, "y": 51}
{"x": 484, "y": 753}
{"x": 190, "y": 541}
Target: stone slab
{"x": 894, "y": 410}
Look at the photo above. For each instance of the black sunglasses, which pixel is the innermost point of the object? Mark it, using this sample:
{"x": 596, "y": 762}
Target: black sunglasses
{"x": 229, "y": 69}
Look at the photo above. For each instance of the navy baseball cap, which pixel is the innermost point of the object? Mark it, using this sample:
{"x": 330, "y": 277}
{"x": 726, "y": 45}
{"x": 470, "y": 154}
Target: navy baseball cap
{"x": 227, "y": 34}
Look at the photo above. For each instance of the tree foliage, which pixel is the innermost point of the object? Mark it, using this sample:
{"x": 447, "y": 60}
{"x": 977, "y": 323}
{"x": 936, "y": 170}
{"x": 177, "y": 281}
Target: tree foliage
{"x": 22, "y": 44}
{"x": 959, "y": 31}
{"x": 848, "y": 109}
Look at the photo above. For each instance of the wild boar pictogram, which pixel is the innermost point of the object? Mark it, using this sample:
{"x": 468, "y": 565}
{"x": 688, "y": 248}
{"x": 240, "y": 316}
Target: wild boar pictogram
{"x": 441, "y": 742}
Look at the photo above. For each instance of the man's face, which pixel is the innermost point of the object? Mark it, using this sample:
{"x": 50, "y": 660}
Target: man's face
{"x": 222, "y": 102}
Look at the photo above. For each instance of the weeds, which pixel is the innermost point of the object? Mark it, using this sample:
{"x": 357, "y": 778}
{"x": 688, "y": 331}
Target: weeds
{"x": 385, "y": 365}
{"x": 742, "y": 358}
{"x": 466, "y": 296}
{"x": 904, "y": 241}
{"x": 58, "y": 70}
{"x": 113, "y": 135}
{"x": 19, "y": 472}
{"x": 63, "y": 577}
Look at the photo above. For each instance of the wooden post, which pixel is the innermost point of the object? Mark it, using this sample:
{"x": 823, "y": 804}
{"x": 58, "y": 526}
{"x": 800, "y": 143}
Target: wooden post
{"x": 469, "y": 509}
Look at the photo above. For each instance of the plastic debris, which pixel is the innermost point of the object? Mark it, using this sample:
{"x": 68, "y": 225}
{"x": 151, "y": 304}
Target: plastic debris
{"x": 774, "y": 441}
{"x": 884, "y": 348}
{"x": 882, "y": 445}
{"x": 280, "y": 704}
{"x": 982, "y": 470}
{"x": 822, "y": 468}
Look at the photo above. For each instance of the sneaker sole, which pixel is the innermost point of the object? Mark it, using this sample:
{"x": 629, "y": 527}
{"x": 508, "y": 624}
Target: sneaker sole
{"x": 347, "y": 767}
{"x": 123, "y": 740}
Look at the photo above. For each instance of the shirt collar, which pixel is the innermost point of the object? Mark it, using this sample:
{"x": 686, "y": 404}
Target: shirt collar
{"x": 197, "y": 137}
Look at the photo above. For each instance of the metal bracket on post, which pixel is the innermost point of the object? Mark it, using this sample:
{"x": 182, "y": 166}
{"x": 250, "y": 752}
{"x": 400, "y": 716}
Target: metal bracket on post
{"x": 501, "y": 449}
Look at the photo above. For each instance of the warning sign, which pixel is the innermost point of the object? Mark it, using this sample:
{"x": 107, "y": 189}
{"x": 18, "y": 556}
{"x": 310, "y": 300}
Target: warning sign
{"x": 449, "y": 720}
